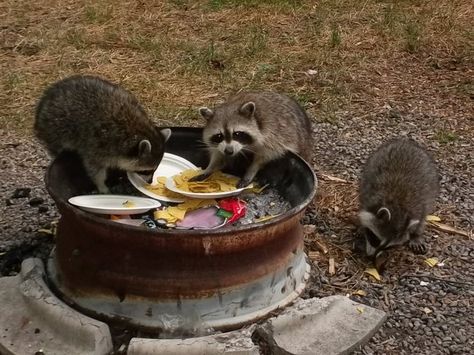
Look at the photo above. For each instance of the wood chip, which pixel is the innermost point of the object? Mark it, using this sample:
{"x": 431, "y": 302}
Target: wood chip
{"x": 309, "y": 229}
{"x": 313, "y": 255}
{"x": 321, "y": 247}
{"x": 332, "y": 266}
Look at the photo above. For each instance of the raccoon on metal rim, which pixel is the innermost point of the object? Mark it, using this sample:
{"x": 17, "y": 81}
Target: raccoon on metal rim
{"x": 265, "y": 124}
{"x": 398, "y": 189}
{"x": 103, "y": 123}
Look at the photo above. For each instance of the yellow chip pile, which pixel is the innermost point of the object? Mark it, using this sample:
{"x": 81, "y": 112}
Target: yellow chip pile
{"x": 175, "y": 213}
{"x": 217, "y": 182}
{"x": 160, "y": 189}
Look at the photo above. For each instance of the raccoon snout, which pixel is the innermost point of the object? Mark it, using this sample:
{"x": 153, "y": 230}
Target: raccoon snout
{"x": 229, "y": 150}
{"x": 147, "y": 176}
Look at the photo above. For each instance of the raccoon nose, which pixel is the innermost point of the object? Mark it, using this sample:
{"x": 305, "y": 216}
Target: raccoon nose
{"x": 229, "y": 150}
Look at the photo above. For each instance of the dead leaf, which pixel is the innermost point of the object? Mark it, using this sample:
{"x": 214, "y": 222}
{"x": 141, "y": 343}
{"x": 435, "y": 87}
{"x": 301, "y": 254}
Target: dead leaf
{"x": 431, "y": 262}
{"x": 332, "y": 266}
{"x": 432, "y": 218}
{"x": 361, "y": 293}
{"x": 374, "y": 273}
{"x": 311, "y": 72}
{"x": 445, "y": 228}
{"x": 360, "y": 310}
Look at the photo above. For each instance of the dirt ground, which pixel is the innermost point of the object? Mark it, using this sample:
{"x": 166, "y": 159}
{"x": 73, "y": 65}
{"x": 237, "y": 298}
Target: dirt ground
{"x": 365, "y": 71}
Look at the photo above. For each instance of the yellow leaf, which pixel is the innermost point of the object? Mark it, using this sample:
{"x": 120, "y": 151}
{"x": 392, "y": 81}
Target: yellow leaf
{"x": 360, "y": 310}
{"x": 432, "y": 218}
{"x": 374, "y": 273}
{"x": 360, "y": 293}
{"x": 431, "y": 261}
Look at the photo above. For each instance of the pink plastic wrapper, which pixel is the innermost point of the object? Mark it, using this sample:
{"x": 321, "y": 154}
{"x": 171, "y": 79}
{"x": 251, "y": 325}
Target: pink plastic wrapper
{"x": 203, "y": 218}
{"x": 234, "y": 205}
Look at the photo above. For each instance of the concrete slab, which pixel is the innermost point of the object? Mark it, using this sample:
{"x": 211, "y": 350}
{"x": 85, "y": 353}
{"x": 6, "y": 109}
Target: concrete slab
{"x": 330, "y": 325}
{"x": 233, "y": 343}
{"x": 33, "y": 320}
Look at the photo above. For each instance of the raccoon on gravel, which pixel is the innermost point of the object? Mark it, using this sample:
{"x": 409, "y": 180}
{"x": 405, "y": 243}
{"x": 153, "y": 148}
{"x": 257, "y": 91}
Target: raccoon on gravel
{"x": 266, "y": 124}
{"x": 103, "y": 123}
{"x": 399, "y": 186}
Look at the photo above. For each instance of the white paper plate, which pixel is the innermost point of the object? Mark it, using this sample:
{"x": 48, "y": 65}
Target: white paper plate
{"x": 170, "y": 165}
{"x": 113, "y": 204}
{"x": 170, "y": 185}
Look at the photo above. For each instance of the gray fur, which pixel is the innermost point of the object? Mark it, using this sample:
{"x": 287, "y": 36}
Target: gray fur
{"x": 399, "y": 187}
{"x": 103, "y": 123}
{"x": 276, "y": 123}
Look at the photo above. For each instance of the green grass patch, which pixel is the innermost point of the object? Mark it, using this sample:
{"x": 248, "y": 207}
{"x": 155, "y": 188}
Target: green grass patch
{"x": 445, "y": 137}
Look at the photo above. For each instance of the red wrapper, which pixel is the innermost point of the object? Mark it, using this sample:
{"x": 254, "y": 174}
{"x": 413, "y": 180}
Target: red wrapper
{"x": 237, "y": 207}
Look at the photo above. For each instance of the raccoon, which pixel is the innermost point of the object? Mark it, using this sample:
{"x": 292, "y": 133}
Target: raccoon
{"x": 399, "y": 187}
{"x": 266, "y": 124}
{"x": 103, "y": 123}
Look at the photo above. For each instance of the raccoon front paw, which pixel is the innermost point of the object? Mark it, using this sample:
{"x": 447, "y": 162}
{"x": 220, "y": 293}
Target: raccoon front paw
{"x": 243, "y": 183}
{"x": 418, "y": 247}
{"x": 200, "y": 177}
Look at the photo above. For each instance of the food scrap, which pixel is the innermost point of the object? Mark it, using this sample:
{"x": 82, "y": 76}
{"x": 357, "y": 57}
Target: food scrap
{"x": 216, "y": 182}
{"x": 159, "y": 188}
{"x": 128, "y": 204}
{"x": 174, "y": 213}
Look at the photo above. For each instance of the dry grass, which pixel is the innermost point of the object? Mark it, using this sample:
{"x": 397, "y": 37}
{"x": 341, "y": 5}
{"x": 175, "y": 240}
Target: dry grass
{"x": 177, "y": 55}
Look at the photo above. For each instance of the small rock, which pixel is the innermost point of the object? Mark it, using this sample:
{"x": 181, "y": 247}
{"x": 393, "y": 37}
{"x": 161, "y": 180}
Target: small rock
{"x": 21, "y": 192}
{"x": 35, "y": 201}
{"x": 42, "y": 208}
{"x": 8, "y": 202}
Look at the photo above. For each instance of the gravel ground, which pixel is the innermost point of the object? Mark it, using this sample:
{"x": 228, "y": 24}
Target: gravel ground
{"x": 430, "y": 310}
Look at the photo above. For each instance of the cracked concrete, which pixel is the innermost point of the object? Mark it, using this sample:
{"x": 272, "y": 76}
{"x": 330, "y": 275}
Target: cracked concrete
{"x": 33, "y": 319}
{"x": 234, "y": 343}
{"x": 326, "y": 326}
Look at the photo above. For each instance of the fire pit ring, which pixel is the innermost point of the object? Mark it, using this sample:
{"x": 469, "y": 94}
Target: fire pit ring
{"x": 179, "y": 281}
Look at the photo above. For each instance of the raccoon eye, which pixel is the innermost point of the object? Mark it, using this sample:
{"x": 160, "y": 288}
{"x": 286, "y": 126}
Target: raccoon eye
{"x": 242, "y": 137}
{"x": 217, "y": 138}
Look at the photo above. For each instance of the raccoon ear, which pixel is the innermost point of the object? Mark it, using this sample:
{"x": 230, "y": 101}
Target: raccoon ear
{"x": 144, "y": 147}
{"x": 166, "y": 133}
{"x": 207, "y": 113}
{"x": 413, "y": 225}
{"x": 247, "y": 109}
{"x": 384, "y": 213}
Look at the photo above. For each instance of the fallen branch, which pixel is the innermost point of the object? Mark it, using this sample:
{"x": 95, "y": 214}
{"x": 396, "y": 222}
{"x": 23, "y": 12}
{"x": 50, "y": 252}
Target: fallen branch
{"x": 332, "y": 178}
{"x": 448, "y": 229}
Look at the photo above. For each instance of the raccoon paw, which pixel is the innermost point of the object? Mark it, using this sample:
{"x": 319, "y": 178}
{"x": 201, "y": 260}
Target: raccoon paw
{"x": 243, "y": 183}
{"x": 418, "y": 247}
{"x": 199, "y": 177}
